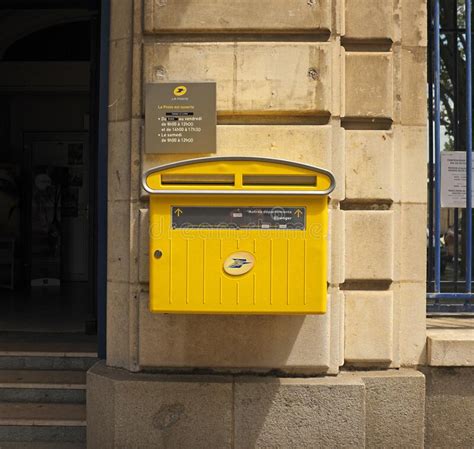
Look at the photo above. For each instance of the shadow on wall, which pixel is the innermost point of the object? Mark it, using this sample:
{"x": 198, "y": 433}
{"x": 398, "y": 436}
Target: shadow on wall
{"x": 233, "y": 343}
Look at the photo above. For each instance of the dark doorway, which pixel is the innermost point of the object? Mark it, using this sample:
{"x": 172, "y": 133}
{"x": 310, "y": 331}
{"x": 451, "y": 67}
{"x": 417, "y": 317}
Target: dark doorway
{"x": 50, "y": 70}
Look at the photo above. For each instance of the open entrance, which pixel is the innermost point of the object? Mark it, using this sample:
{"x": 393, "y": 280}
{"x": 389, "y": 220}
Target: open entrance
{"x": 49, "y": 170}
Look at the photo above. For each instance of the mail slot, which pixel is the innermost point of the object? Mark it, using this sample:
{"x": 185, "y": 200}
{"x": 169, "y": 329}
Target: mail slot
{"x": 238, "y": 235}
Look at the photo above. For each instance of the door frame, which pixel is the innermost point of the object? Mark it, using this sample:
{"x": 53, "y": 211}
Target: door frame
{"x": 102, "y": 169}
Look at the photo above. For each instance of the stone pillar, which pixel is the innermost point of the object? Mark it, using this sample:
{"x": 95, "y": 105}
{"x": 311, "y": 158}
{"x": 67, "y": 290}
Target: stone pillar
{"x": 335, "y": 83}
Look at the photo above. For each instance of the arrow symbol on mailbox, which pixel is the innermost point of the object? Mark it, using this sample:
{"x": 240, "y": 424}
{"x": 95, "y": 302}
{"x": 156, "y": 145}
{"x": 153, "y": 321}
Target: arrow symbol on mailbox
{"x": 178, "y": 211}
{"x": 298, "y": 213}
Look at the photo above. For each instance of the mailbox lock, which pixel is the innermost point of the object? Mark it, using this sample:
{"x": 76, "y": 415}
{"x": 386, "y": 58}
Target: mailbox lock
{"x": 158, "y": 254}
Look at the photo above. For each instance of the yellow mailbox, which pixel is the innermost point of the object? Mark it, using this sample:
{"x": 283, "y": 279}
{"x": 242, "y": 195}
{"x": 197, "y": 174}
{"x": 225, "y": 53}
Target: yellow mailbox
{"x": 239, "y": 235}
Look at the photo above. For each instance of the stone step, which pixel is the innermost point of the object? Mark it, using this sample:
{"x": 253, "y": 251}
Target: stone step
{"x": 24, "y": 350}
{"x": 58, "y": 415}
{"x": 42, "y": 396}
{"x": 42, "y": 423}
{"x": 41, "y": 434}
{"x": 47, "y": 445}
{"x": 450, "y": 341}
{"x": 54, "y": 379}
{"x": 44, "y": 386}
{"x": 39, "y": 361}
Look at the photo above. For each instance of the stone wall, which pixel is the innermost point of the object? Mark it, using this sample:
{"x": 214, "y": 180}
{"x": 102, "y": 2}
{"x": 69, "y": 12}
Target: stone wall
{"x": 353, "y": 410}
{"x": 339, "y": 84}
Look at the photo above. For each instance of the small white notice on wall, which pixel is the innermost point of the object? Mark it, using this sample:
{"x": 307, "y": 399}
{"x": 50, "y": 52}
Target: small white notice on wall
{"x": 453, "y": 179}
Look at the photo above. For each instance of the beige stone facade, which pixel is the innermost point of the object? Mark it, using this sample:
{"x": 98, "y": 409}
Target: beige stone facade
{"x": 335, "y": 83}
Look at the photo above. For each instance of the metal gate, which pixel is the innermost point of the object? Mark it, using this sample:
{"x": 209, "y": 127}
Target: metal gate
{"x": 449, "y": 234}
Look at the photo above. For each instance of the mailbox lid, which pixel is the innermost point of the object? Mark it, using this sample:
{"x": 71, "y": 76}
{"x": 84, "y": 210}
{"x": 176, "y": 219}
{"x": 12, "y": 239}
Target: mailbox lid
{"x": 238, "y": 176}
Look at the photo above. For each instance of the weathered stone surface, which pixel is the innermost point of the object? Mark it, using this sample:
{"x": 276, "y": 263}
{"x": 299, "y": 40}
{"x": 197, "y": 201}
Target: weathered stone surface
{"x": 251, "y": 77}
{"x": 368, "y": 90}
{"x": 120, "y": 83}
{"x": 190, "y": 16}
{"x": 413, "y": 88}
{"x": 295, "y": 344}
{"x": 412, "y": 156}
{"x": 119, "y": 161}
{"x": 135, "y": 158}
{"x": 118, "y": 241}
{"x": 368, "y": 19}
{"x": 411, "y": 244}
{"x": 368, "y": 244}
{"x": 118, "y": 330}
{"x": 308, "y": 144}
{"x": 300, "y": 143}
{"x": 394, "y": 405}
{"x": 368, "y": 326}
{"x": 144, "y": 243}
{"x": 354, "y": 410}
{"x": 449, "y": 407}
{"x": 450, "y": 347}
{"x": 369, "y": 165}
{"x": 299, "y": 413}
{"x": 337, "y": 329}
{"x": 100, "y": 410}
{"x": 336, "y": 246}
{"x": 414, "y": 29}
{"x": 121, "y": 19}
{"x": 412, "y": 322}
{"x": 153, "y": 411}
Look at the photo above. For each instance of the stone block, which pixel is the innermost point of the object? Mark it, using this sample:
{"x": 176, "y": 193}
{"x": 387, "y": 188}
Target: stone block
{"x": 337, "y": 329}
{"x": 368, "y": 19}
{"x": 144, "y": 252}
{"x": 289, "y": 343}
{"x": 336, "y": 246}
{"x": 118, "y": 241}
{"x": 368, "y": 245}
{"x": 251, "y": 77}
{"x": 369, "y": 165}
{"x": 299, "y": 413}
{"x": 394, "y": 407}
{"x": 368, "y": 86}
{"x": 412, "y": 323}
{"x": 119, "y": 161}
{"x": 137, "y": 88}
{"x": 369, "y": 326}
{"x": 100, "y": 411}
{"x": 120, "y": 84}
{"x": 118, "y": 332}
{"x": 414, "y": 23}
{"x": 190, "y": 16}
{"x": 135, "y": 159}
{"x": 121, "y": 19}
{"x": 449, "y": 407}
{"x": 153, "y": 411}
{"x": 411, "y": 242}
{"x": 338, "y": 157}
{"x": 413, "y": 160}
{"x": 300, "y": 143}
{"x": 450, "y": 347}
{"x": 413, "y": 88}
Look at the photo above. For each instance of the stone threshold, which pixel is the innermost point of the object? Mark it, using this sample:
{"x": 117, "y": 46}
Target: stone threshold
{"x": 450, "y": 341}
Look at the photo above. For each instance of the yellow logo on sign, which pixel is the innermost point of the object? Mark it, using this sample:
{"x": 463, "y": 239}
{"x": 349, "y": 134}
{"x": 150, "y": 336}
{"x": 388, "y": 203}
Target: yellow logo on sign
{"x": 239, "y": 263}
{"x": 180, "y": 91}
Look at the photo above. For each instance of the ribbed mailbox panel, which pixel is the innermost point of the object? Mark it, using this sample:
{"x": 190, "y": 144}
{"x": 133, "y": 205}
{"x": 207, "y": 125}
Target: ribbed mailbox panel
{"x": 239, "y": 236}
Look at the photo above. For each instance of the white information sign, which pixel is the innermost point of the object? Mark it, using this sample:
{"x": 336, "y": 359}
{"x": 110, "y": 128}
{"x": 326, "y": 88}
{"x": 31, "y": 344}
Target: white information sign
{"x": 453, "y": 179}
